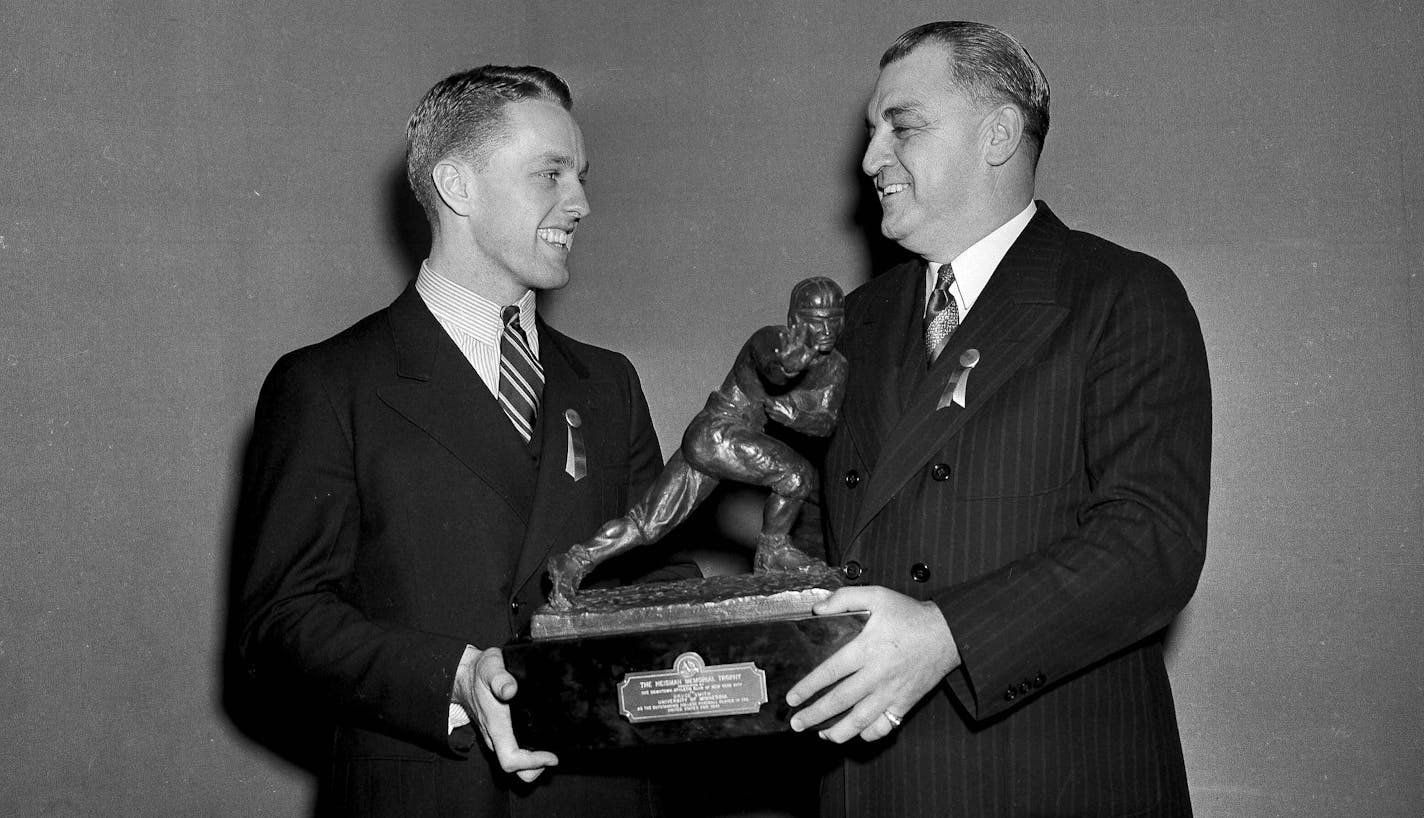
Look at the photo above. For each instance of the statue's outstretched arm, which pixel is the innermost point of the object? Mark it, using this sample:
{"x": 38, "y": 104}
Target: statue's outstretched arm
{"x": 813, "y": 410}
{"x": 780, "y": 355}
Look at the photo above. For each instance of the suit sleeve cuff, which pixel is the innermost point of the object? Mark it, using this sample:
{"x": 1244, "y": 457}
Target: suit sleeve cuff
{"x": 458, "y": 718}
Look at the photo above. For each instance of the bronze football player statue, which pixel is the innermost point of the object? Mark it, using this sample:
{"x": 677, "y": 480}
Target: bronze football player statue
{"x": 790, "y": 374}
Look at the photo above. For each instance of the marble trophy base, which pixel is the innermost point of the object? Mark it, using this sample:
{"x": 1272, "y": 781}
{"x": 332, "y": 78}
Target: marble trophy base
{"x": 674, "y": 662}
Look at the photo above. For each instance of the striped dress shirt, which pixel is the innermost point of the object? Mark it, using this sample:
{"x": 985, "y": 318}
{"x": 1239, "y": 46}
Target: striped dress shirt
{"x": 473, "y": 321}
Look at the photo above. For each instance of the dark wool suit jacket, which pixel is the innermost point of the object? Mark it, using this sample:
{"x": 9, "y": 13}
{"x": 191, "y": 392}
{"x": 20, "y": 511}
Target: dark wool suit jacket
{"x": 1058, "y": 519}
{"x": 394, "y": 516}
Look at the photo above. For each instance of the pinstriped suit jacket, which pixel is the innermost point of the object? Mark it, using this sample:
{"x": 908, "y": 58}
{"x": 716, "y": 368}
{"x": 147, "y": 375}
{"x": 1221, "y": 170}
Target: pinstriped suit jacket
{"x": 1058, "y": 519}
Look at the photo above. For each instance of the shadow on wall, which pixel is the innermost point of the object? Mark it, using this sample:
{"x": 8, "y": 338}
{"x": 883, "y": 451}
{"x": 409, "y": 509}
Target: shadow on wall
{"x": 266, "y": 714}
{"x": 409, "y": 231}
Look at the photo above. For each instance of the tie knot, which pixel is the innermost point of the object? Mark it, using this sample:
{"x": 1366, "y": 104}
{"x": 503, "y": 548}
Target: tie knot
{"x": 945, "y": 279}
{"x": 940, "y": 296}
{"x": 511, "y": 316}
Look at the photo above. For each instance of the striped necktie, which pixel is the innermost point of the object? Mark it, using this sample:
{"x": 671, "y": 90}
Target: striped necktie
{"x": 941, "y": 314}
{"x": 521, "y": 378}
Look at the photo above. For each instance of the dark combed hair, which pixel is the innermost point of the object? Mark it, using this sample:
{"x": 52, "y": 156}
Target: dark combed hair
{"x": 463, "y": 116}
{"x": 989, "y": 65}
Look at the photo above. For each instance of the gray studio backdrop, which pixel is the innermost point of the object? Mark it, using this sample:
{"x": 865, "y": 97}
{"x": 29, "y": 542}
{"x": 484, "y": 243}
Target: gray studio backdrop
{"x": 189, "y": 190}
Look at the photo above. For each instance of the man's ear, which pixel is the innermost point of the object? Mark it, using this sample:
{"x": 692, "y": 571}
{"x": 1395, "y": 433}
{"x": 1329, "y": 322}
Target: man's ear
{"x": 1003, "y": 134}
{"x": 455, "y": 185}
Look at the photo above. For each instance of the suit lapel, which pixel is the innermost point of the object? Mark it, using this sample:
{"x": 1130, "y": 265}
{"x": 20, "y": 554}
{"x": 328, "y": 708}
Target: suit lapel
{"x": 872, "y": 405}
{"x": 566, "y": 387}
{"x": 438, "y": 391}
{"x": 1012, "y": 317}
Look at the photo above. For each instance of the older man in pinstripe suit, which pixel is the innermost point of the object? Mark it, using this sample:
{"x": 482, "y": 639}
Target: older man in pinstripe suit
{"x": 1020, "y": 497}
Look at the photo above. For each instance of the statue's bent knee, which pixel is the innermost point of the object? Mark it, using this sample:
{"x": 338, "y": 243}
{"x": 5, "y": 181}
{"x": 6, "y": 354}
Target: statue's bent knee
{"x": 795, "y": 483}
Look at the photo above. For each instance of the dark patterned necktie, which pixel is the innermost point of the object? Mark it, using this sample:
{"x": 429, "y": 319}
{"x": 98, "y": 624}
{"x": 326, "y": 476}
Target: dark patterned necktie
{"x": 941, "y": 314}
{"x": 521, "y": 378}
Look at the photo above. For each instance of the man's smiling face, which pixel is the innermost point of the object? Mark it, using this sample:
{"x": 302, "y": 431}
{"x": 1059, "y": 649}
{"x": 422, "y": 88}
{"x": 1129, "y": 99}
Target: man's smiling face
{"x": 924, "y": 153}
{"x": 529, "y": 198}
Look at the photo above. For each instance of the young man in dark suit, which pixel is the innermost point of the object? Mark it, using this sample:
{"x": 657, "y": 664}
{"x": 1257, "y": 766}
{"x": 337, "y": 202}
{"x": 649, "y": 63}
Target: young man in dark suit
{"x": 409, "y": 477}
{"x": 1021, "y": 497}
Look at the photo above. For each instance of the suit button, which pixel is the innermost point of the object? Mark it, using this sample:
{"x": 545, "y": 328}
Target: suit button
{"x": 1024, "y": 688}
{"x": 852, "y": 570}
{"x": 514, "y": 605}
{"x": 1039, "y": 680}
{"x": 920, "y": 572}
{"x": 852, "y": 478}
{"x": 1011, "y": 694}
{"x": 940, "y": 472}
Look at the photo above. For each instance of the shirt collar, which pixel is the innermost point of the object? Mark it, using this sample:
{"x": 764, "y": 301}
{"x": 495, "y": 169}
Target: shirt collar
{"x": 471, "y": 313}
{"x": 974, "y": 266}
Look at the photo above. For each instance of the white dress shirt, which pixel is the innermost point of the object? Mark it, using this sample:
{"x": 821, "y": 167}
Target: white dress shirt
{"x": 974, "y": 266}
